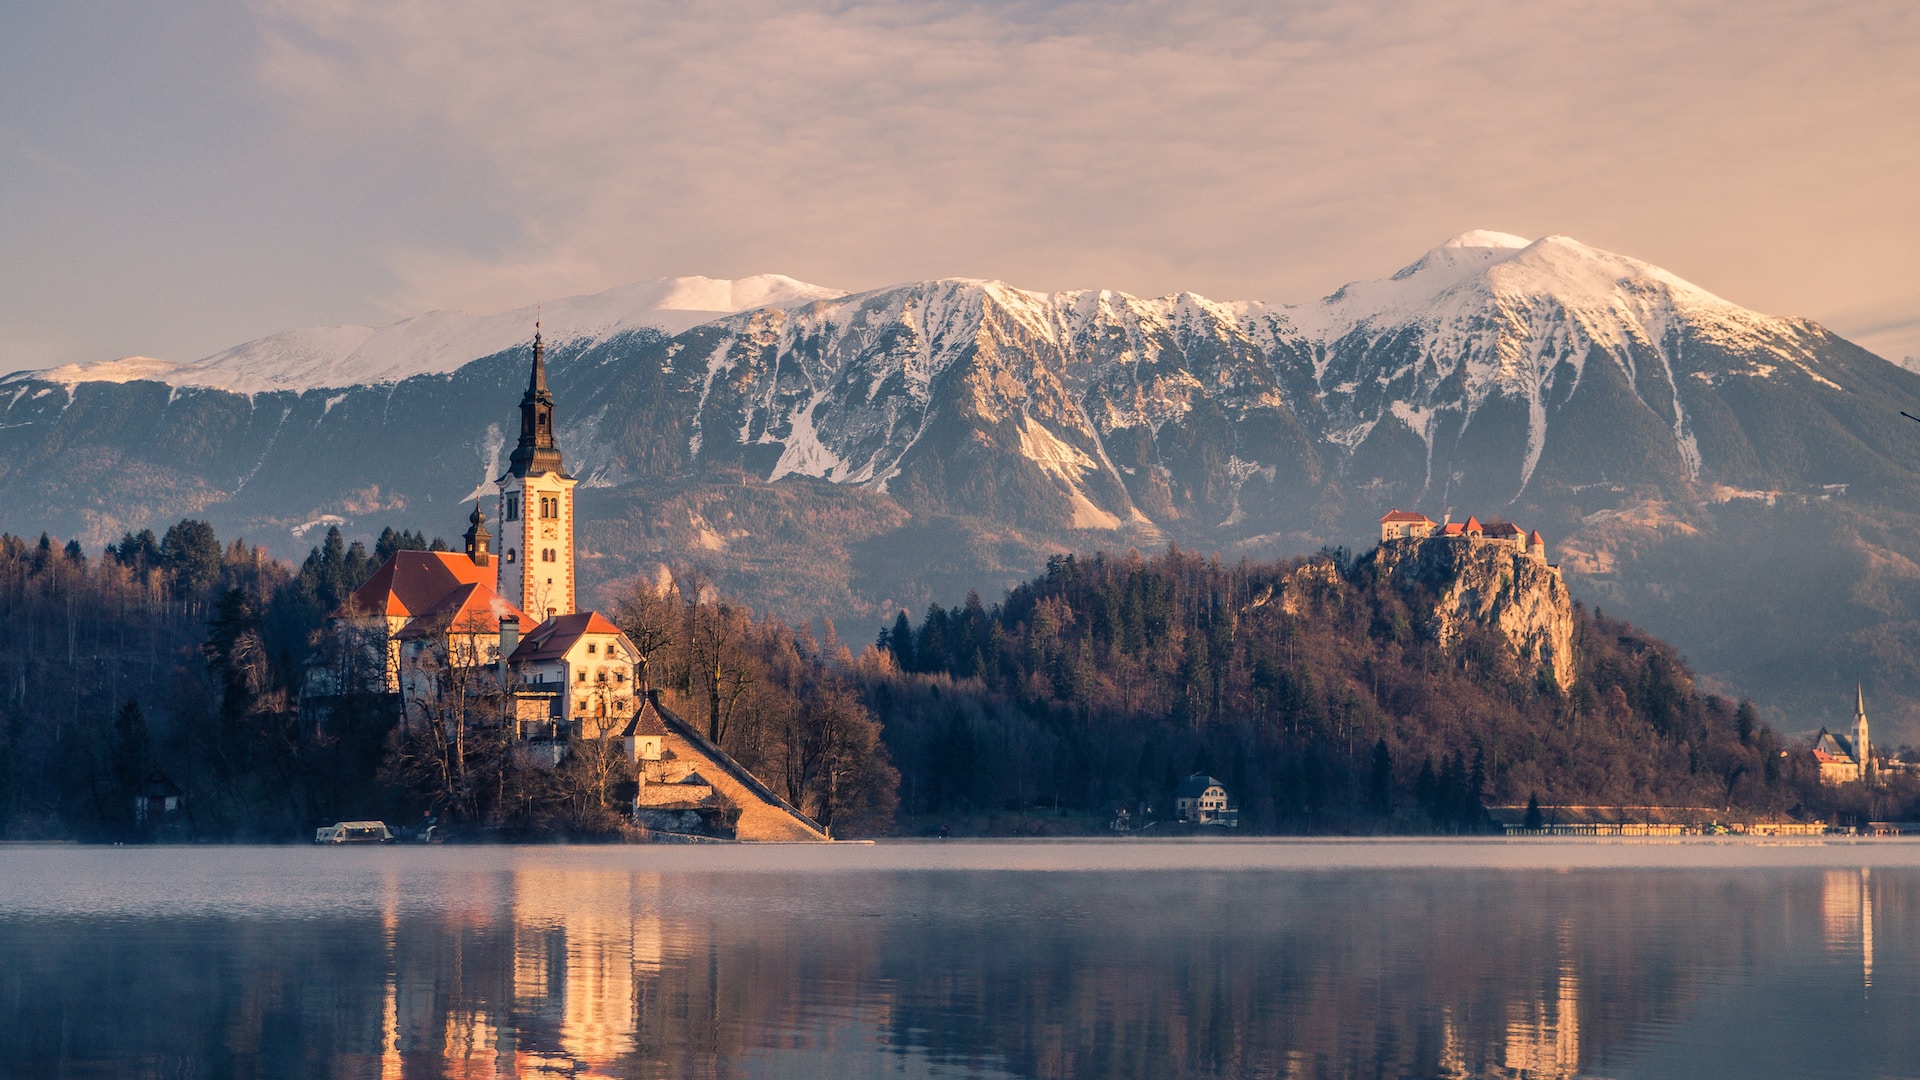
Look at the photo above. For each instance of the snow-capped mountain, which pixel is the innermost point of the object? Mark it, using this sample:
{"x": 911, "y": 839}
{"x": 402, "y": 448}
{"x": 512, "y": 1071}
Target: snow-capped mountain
{"x": 843, "y": 455}
{"x": 317, "y": 357}
{"x": 1475, "y": 372}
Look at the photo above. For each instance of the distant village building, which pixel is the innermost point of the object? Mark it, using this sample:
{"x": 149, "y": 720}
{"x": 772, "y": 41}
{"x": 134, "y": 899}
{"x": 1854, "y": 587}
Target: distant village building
{"x": 1400, "y": 524}
{"x": 158, "y": 797}
{"x": 1846, "y": 758}
{"x": 486, "y": 638}
{"x": 1203, "y": 800}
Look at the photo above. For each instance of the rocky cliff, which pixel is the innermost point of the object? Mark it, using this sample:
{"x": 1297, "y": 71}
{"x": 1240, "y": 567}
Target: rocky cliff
{"x": 1493, "y": 584}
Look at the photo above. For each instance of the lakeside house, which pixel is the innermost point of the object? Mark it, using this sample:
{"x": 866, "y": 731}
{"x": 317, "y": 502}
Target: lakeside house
{"x": 1202, "y": 800}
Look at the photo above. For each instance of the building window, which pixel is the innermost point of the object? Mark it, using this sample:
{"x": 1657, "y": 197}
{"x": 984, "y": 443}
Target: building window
{"x": 513, "y": 508}
{"x": 591, "y": 647}
{"x": 583, "y": 677}
{"x": 509, "y": 554}
{"x": 600, "y": 677}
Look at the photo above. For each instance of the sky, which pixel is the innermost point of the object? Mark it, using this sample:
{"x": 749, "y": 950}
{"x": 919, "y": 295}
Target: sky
{"x": 178, "y": 178}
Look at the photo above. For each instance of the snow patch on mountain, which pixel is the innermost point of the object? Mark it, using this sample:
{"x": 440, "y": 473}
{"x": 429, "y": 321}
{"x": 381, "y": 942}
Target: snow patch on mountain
{"x": 438, "y": 342}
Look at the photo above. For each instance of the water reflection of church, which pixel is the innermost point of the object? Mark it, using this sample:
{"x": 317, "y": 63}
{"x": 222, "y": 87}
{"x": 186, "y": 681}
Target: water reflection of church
{"x": 561, "y": 997}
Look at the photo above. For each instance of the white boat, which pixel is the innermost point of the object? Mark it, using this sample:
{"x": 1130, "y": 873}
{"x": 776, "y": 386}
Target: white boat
{"x": 354, "y": 832}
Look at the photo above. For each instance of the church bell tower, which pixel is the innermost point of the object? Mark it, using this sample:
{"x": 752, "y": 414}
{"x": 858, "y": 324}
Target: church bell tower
{"x": 536, "y": 508}
{"x": 1861, "y": 746}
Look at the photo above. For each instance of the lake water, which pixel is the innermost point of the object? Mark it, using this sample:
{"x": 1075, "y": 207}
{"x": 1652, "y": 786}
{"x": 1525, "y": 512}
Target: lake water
{"x": 1230, "y": 959}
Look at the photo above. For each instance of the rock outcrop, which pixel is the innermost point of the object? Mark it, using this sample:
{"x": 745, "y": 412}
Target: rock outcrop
{"x": 1493, "y": 584}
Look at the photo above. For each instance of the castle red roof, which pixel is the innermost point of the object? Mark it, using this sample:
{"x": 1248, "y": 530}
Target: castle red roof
{"x": 1503, "y": 528}
{"x": 1398, "y": 516}
{"x": 411, "y": 582}
{"x": 1454, "y": 528}
{"x": 1536, "y": 540}
{"x": 551, "y": 639}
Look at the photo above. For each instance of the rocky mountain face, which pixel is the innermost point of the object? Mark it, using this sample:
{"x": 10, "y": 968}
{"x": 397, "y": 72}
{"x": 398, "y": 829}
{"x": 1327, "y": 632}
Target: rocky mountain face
{"x": 846, "y": 455}
{"x": 1491, "y": 584}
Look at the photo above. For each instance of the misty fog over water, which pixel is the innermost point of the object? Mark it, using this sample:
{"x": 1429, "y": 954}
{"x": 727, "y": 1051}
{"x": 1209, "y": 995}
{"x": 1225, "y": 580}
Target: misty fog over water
{"x": 1231, "y": 959}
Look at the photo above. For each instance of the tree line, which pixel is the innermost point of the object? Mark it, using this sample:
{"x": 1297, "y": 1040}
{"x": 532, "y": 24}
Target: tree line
{"x": 1309, "y": 686}
{"x": 176, "y": 663}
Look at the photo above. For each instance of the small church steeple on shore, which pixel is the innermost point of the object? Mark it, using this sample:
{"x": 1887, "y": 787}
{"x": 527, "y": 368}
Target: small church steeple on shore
{"x": 1861, "y": 747}
{"x": 536, "y": 507}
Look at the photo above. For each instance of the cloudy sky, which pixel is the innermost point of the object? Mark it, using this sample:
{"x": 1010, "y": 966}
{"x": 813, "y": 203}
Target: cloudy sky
{"x": 176, "y": 178}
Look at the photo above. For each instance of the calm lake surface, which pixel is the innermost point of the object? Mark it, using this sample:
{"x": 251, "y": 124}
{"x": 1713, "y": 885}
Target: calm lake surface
{"x": 1230, "y": 959}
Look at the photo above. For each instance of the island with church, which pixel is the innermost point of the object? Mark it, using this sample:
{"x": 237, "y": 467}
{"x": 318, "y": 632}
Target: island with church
{"x": 489, "y": 641}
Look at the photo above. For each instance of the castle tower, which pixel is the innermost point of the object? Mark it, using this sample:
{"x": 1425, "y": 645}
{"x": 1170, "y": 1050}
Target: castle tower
{"x": 536, "y": 508}
{"x": 1860, "y": 744}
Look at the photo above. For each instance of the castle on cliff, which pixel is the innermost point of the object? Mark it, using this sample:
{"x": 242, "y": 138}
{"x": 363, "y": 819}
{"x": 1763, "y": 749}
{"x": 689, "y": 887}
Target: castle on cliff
{"x": 1400, "y": 524}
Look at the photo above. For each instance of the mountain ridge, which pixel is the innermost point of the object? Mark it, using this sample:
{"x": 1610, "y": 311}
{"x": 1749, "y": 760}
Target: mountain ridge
{"x": 842, "y": 455}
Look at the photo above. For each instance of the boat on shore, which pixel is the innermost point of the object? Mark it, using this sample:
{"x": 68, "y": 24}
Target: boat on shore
{"x": 354, "y": 832}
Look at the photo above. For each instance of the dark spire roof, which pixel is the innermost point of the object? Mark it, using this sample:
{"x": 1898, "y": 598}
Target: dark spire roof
{"x": 477, "y": 536}
{"x": 537, "y": 452}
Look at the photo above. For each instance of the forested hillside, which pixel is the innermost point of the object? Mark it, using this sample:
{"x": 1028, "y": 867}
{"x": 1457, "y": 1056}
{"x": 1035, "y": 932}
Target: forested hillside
{"x": 1315, "y": 688}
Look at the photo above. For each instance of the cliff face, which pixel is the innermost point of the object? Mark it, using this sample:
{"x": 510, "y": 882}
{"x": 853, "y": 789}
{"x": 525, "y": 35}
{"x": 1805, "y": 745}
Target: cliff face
{"x": 1492, "y": 584}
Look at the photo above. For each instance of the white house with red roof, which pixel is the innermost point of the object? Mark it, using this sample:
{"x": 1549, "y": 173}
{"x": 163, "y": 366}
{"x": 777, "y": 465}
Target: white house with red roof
{"x": 416, "y": 596}
{"x": 579, "y": 668}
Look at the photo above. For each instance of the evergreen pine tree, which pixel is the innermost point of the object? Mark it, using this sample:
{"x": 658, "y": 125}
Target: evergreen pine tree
{"x": 1381, "y": 787}
{"x": 901, "y": 641}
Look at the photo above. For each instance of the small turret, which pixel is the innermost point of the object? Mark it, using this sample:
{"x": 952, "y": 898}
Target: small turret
{"x": 478, "y": 538}
{"x": 1537, "y": 546}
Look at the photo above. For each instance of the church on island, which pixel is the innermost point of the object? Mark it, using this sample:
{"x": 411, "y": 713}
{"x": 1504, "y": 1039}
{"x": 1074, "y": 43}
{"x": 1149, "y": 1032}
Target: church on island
{"x": 498, "y": 624}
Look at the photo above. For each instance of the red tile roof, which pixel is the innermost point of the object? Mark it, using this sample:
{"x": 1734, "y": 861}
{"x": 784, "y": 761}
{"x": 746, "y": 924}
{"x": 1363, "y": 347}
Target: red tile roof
{"x": 1536, "y": 540}
{"x": 551, "y": 639}
{"x": 411, "y": 582}
{"x": 1396, "y": 516}
{"x": 1503, "y": 528}
{"x": 473, "y": 608}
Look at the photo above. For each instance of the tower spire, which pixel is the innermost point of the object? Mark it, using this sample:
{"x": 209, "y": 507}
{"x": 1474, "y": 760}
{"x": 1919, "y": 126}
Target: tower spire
{"x": 1861, "y": 745}
{"x": 537, "y": 451}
